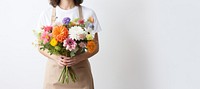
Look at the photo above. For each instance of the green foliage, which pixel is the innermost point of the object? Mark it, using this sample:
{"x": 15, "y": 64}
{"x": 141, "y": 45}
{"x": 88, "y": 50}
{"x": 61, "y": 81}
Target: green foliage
{"x": 59, "y": 49}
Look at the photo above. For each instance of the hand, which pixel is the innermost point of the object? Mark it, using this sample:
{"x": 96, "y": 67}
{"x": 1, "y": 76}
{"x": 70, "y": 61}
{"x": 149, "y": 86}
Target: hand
{"x": 67, "y": 61}
{"x": 62, "y": 60}
{"x": 74, "y": 60}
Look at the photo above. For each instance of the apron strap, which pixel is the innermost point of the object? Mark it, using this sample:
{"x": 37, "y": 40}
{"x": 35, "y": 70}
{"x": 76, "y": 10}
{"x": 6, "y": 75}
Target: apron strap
{"x": 53, "y": 16}
{"x": 80, "y": 12}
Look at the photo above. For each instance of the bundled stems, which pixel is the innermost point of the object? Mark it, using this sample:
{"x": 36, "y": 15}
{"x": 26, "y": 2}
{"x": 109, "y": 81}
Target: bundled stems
{"x": 66, "y": 74}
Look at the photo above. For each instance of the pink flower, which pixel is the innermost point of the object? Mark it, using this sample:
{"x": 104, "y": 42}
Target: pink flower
{"x": 82, "y": 36}
{"x": 45, "y": 36}
{"x": 70, "y": 44}
{"x": 82, "y": 44}
{"x": 48, "y": 28}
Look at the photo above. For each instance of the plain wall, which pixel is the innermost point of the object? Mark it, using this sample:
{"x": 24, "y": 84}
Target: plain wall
{"x": 144, "y": 44}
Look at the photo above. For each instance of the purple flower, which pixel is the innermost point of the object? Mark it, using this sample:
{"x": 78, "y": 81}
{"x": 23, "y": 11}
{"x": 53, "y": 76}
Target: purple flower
{"x": 91, "y": 26}
{"x": 66, "y": 20}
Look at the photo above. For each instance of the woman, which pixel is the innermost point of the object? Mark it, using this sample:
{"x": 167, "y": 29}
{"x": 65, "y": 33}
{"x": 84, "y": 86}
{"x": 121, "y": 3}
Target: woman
{"x": 80, "y": 64}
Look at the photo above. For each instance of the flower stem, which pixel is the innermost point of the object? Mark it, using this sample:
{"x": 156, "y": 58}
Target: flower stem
{"x": 67, "y": 75}
{"x": 72, "y": 75}
{"x": 61, "y": 74}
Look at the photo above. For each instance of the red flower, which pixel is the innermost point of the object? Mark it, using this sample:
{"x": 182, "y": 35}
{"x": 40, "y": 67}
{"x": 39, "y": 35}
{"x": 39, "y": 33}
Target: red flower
{"x": 48, "y": 28}
{"x": 81, "y": 21}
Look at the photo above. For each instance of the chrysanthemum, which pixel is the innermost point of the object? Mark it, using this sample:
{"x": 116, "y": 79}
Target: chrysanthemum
{"x": 60, "y": 33}
{"x": 70, "y": 44}
{"x": 77, "y": 33}
{"x": 91, "y": 46}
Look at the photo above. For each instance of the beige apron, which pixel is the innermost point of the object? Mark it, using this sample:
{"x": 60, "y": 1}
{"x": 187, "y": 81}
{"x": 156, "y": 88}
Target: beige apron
{"x": 82, "y": 70}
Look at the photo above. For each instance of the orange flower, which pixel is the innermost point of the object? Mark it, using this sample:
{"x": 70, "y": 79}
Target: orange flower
{"x": 91, "y": 46}
{"x": 60, "y": 33}
{"x": 91, "y": 19}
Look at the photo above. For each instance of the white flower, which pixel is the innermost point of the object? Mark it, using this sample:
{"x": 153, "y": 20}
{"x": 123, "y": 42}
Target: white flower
{"x": 76, "y": 33}
{"x": 89, "y": 30}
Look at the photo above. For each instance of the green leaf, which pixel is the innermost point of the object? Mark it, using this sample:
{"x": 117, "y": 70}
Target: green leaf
{"x": 76, "y": 19}
{"x": 72, "y": 54}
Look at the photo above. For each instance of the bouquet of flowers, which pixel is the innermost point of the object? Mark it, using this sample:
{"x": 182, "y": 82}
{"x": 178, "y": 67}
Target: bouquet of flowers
{"x": 69, "y": 38}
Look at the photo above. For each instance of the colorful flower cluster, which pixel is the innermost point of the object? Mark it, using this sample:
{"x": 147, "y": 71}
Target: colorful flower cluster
{"x": 69, "y": 38}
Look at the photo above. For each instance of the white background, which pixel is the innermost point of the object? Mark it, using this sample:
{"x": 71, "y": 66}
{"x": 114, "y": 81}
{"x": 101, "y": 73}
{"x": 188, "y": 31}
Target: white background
{"x": 145, "y": 44}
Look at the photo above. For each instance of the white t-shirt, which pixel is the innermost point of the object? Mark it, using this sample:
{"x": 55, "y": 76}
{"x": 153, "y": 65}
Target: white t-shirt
{"x": 45, "y": 17}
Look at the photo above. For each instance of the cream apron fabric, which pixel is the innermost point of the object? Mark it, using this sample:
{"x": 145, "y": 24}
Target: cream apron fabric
{"x": 82, "y": 70}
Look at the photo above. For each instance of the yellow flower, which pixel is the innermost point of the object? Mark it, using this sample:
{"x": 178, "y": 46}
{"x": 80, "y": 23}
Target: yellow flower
{"x": 89, "y": 37}
{"x": 54, "y": 42}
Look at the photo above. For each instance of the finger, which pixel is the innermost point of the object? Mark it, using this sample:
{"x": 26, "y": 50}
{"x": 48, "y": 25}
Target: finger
{"x": 74, "y": 62}
{"x": 60, "y": 64}
{"x": 67, "y": 58}
{"x": 71, "y": 63}
{"x": 62, "y": 60}
{"x": 63, "y": 63}
{"x": 68, "y": 65}
{"x": 66, "y": 61}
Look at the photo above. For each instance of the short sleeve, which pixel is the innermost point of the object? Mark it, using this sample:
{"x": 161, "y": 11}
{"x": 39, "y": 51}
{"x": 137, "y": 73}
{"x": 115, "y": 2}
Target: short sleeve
{"x": 40, "y": 22}
{"x": 97, "y": 27}
{"x": 44, "y": 19}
